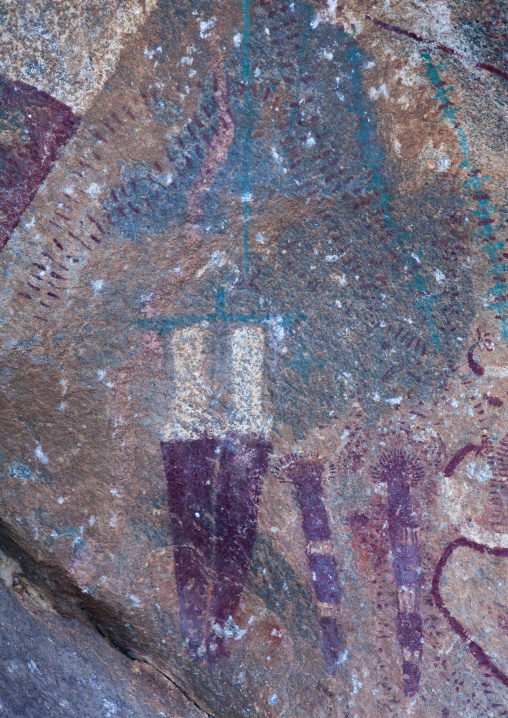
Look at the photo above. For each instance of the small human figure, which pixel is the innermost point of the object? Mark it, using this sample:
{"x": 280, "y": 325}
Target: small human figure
{"x": 306, "y": 473}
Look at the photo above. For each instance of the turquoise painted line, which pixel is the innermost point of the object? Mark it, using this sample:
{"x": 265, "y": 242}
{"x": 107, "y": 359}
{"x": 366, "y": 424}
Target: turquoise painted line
{"x": 373, "y": 159}
{"x": 486, "y": 229}
{"x": 220, "y": 314}
{"x": 295, "y": 110}
{"x": 247, "y": 140}
{"x": 163, "y": 325}
{"x": 169, "y": 323}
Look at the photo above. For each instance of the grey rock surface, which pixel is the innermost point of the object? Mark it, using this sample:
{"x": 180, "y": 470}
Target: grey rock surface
{"x": 52, "y": 667}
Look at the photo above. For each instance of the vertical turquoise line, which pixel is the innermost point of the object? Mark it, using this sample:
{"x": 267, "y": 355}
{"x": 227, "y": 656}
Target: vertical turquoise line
{"x": 485, "y": 231}
{"x": 295, "y": 110}
{"x": 373, "y": 156}
{"x": 373, "y": 159}
{"x": 247, "y": 140}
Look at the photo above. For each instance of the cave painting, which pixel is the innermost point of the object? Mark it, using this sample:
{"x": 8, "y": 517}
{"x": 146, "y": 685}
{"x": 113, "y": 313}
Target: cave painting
{"x": 399, "y": 470}
{"x": 315, "y": 264}
{"x": 214, "y": 475}
{"x": 33, "y": 126}
{"x": 219, "y": 427}
{"x": 306, "y": 474}
{"x": 491, "y": 459}
{"x": 216, "y": 447}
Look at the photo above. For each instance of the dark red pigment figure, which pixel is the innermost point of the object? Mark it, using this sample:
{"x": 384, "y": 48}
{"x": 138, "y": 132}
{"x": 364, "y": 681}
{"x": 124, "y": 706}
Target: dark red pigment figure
{"x": 213, "y": 491}
{"x": 483, "y": 658}
{"x": 399, "y": 470}
{"x": 33, "y": 125}
{"x": 306, "y": 475}
{"x": 463, "y": 452}
{"x": 497, "y": 457}
{"x": 214, "y": 462}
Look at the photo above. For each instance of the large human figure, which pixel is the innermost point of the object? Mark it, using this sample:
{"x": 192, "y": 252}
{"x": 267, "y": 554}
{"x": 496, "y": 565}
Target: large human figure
{"x": 214, "y": 469}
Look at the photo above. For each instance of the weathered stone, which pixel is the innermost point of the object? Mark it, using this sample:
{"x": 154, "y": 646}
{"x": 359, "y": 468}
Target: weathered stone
{"x": 253, "y": 384}
{"x": 52, "y": 666}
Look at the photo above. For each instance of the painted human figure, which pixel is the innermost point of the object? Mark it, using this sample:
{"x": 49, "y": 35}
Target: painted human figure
{"x": 306, "y": 473}
{"x": 214, "y": 467}
{"x": 301, "y": 264}
{"x": 400, "y": 470}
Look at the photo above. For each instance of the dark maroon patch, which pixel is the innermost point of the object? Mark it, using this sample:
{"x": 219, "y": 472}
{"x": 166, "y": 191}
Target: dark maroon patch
{"x": 332, "y": 642}
{"x": 243, "y": 464}
{"x": 411, "y": 677}
{"x": 475, "y": 367}
{"x": 495, "y": 401}
{"x": 459, "y": 456}
{"x": 33, "y": 125}
{"x": 213, "y": 494}
{"x": 306, "y": 475}
{"x": 189, "y": 471}
{"x": 324, "y": 578}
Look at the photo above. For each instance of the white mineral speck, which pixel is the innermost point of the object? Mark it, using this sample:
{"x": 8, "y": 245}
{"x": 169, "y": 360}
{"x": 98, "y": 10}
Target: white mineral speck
{"x": 41, "y": 455}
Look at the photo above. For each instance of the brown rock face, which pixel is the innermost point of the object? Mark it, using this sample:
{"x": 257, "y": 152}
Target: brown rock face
{"x": 253, "y": 340}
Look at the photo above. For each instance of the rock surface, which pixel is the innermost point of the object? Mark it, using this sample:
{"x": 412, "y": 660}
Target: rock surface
{"x": 53, "y": 666}
{"x": 253, "y": 330}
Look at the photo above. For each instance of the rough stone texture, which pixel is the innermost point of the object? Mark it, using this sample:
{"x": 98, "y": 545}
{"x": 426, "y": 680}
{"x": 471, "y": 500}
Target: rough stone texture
{"x": 254, "y": 349}
{"x": 52, "y": 666}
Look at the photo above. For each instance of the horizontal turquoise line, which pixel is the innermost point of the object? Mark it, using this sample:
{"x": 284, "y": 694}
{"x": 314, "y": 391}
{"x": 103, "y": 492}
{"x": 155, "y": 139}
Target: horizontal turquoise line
{"x": 169, "y": 323}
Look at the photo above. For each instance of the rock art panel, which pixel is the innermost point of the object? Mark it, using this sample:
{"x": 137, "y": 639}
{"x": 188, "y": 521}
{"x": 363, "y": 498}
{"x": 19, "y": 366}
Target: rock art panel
{"x": 254, "y": 344}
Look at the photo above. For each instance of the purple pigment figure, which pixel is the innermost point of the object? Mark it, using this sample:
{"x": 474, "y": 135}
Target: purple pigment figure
{"x": 400, "y": 471}
{"x": 214, "y": 469}
{"x": 306, "y": 475}
{"x": 33, "y": 126}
